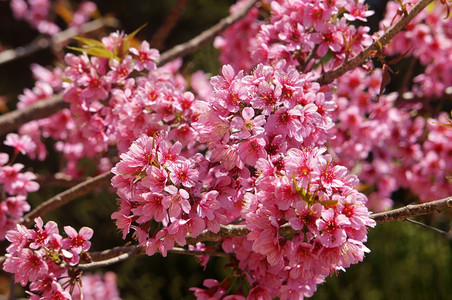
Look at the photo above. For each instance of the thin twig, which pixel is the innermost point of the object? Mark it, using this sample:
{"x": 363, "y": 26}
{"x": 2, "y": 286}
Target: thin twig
{"x": 205, "y": 36}
{"x": 44, "y": 42}
{"x": 117, "y": 251}
{"x": 426, "y": 226}
{"x": 359, "y": 59}
{"x": 65, "y": 197}
{"x": 13, "y": 120}
{"x": 170, "y": 21}
{"x": 125, "y": 253}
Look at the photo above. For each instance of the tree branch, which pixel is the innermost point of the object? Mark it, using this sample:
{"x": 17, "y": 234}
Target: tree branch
{"x": 118, "y": 254}
{"x": 43, "y": 42}
{"x": 13, "y": 120}
{"x": 205, "y": 36}
{"x": 359, "y": 59}
{"x": 65, "y": 197}
{"x": 411, "y": 210}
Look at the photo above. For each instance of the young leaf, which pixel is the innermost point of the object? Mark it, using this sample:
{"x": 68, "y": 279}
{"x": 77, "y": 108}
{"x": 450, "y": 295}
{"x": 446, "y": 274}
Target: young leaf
{"x": 95, "y": 51}
{"x": 93, "y": 47}
{"x": 125, "y": 45}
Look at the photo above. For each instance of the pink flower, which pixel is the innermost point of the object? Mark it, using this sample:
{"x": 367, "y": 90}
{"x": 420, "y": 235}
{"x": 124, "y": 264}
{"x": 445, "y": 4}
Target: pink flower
{"x": 305, "y": 215}
{"x": 32, "y": 266}
{"x": 19, "y": 238}
{"x": 332, "y": 229}
{"x": 145, "y": 57}
{"x": 251, "y": 150}
{"x": 97, "y": 286}
{"x": 77, "y": 242}
{"x": 260, "y": 293}
{"x": 248, "y": 125}
{"x": 208, "y": 205}
{"x": 286, "y": 193}
{"x": 141, "y": 154}
{"x": 22, "y": 144}
{"x": 155, "y": 180}
{"x": 3, "y": 158}
{"x": 183, "y": 173}
{"x": 119, "y": 70}
{"x": 177, "y": 201}
{"x": 42, "y": 235}
{"x": 357, "y": 11}
{"x": 152, "y": 207}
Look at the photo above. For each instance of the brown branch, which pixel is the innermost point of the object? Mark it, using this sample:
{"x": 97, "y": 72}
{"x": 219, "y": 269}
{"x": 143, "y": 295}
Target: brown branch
{"x": 118, "y": 254}
{"x": 359, "y": 59}
{"x": 401, "y": 214}
{"x": 171, "y": 20}
{"x": 13, "y": 120}
{"x": 117, "y": 251}
{"x": 65, "y": 197}
{"x": 205, "y": 36}
{"x": 44, "y": 42}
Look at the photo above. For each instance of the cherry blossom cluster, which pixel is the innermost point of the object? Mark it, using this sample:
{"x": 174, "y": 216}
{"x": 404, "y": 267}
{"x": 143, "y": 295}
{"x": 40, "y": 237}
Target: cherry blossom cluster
{"x": 301, "y": 32}
{"x": 258, "y": 165}
{"x": 15, "y": 184}
{"x": 389, "y": 146}
{"x": 157, "y": 184}
{"x": 47, "y": 260}
{"x": 114, "y": 104}
{"x": 38, "y": 13}
{"x": 61, "y": 127}
{"x": 327, "y": 216}
{"x": 427, "y": 41}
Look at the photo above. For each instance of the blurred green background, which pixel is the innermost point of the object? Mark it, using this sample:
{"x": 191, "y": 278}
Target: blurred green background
{"x": 407, "y": 261}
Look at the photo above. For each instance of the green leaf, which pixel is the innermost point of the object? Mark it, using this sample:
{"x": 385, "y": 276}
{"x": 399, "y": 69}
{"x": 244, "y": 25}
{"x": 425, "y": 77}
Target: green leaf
{"x": 125, "y": 45}
{"x": 95, "y": 51}
{"x": 90, "y": 42}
